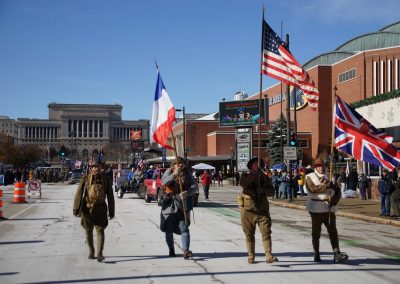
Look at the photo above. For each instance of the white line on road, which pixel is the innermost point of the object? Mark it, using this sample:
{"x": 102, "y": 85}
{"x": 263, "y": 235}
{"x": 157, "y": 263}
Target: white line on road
{"x": 19, "y": 213}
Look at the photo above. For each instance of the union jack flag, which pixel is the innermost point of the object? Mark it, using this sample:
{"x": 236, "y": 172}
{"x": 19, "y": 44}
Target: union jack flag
{"x": 359, "y": 138}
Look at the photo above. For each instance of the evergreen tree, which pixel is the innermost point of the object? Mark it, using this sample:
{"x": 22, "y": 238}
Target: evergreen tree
{"x": 277, "y": 137}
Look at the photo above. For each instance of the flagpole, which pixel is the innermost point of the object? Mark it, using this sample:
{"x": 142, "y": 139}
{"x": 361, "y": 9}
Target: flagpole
{"x": 333, "y": 133}
{"x": 332, "y": 145}
{"x": 259, "y": 98}
{"x": 179, "y": 178}
{"x": 289, "y": 166}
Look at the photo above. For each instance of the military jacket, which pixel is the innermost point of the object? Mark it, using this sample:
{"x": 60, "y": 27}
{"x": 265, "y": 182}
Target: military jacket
{"x": 94, "y": 190}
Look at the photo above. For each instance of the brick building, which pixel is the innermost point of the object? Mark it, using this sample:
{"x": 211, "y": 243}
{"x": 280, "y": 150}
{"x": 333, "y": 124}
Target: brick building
{"x": 364, "y": 67}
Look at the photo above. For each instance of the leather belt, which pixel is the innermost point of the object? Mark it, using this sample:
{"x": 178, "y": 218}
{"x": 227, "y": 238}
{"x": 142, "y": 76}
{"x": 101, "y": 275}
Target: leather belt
{"x": 319, "y": 199}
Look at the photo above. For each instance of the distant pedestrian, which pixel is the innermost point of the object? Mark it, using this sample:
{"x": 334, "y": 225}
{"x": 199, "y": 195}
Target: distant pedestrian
{"x": 352, "y": 180}
{"x": 395, "y": 198}
{"x": 220, "y": 179}
{"x": 363, "y": 185}
{"x": 385, "y": 185}
{"x": 300, "y": 181}
{"x": 322, "y": 205}
{"x": 254, "y": 209}
{"x": 275, "y": 184}
{"x": 90, "y": 203}
{"x": 237, "y": 177}
{"x": 206, "y": 181}
{"x": 283, "y": 181}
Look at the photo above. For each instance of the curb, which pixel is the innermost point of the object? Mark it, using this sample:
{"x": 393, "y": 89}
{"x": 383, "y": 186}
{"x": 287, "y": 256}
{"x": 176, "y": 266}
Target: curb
{"x": 343, "y": 214}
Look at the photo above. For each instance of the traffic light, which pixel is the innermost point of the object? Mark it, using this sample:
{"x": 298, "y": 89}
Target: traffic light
{"x": 62, "y": 152}
{"x": 293, "y": 139}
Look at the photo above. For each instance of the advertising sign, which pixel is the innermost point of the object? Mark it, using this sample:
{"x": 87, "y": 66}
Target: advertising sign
{"x": 243, "y": 148}
{"x": 136, "y": 134}
{"x": 241, "y": 113}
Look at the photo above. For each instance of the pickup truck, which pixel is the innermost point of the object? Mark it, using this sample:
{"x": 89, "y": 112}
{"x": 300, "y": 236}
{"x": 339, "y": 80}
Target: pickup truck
{"x": 153, "y": 188}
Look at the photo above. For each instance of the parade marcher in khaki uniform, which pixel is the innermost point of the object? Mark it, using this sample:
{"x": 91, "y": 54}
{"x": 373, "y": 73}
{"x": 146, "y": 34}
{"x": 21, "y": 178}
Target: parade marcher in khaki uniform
{"x": 90, "y": 203}
{"x": 254, "y": 209}
{"x": 322, "y": 205}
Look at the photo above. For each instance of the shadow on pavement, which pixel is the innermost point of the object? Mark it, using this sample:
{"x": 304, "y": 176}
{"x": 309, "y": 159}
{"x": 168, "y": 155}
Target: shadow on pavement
{"x": 271, "y": 270}
{"x": 32, "y": 219}
{"x": 20, "y": 242}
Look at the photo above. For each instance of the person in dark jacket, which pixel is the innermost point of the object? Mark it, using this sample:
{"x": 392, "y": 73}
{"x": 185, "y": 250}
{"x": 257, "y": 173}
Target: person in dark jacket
{"x": 385, "y": 186}
{"x": 352, "y": 179}
{"x": 363, "y": 185}
{"x": 179, "y": 188}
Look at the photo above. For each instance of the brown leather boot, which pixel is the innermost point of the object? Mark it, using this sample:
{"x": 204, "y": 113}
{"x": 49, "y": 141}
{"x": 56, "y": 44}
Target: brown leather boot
{"x": 267, "y": 249}
{"x": 251, "y": 247}
{"x": 89, "y": 242}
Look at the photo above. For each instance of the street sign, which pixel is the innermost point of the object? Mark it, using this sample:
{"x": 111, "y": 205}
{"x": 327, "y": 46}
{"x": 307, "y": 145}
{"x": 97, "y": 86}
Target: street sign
{"x": 35, "y": 188}
{"x": 289, "y": 153}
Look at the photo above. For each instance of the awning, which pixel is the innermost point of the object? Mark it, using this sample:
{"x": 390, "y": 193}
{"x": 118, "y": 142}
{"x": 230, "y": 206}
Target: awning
{"x": 203, "y": 166}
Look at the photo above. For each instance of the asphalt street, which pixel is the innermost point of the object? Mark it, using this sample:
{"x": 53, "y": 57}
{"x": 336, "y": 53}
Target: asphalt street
{"x": 41, "y": 242}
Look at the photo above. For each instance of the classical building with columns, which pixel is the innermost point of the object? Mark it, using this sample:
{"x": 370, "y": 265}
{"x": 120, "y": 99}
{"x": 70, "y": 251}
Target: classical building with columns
{"x": 82, "y": 128}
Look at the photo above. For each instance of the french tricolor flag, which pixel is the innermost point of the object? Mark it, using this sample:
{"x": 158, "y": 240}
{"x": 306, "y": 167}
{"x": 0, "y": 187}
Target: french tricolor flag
{"x": 163, "y": 114}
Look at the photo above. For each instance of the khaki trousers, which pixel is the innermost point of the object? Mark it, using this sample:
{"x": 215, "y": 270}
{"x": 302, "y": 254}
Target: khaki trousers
{"x": 250, "y": 219}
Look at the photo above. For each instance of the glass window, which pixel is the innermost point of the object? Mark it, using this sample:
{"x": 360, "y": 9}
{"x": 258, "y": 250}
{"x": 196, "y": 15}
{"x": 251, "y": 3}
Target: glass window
{"x": 348, "y": 75}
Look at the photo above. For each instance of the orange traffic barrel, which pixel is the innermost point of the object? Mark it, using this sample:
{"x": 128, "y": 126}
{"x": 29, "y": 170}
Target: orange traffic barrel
{"x": 1, "y": 204}
{"x": 19, "y": 192}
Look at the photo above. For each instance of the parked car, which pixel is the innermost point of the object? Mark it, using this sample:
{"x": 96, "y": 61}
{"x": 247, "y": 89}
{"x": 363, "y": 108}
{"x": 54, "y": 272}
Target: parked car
{"x": 76, "y": 176}
{"x": 153, "y": 188}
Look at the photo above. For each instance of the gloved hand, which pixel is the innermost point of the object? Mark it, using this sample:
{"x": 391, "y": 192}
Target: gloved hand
{"x": 111, "y": 216}
{"x": 332, "y": 203}
{"x": 183, "y": 195}
{"x": 177, "y": 172}
{"x": 76, "y": 212}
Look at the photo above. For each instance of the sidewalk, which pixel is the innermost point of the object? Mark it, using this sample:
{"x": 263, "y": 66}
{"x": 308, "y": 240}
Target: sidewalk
{"x": 366, "y": 210}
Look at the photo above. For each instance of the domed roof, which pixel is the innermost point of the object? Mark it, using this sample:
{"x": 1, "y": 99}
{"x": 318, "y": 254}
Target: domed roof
{"x": 388, "y": 36}
{"x": 241, "y": 95}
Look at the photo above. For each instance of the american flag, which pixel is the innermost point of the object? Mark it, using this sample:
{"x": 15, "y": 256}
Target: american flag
{"x": 280, "y": 64}
{"x": 359, "y": 138}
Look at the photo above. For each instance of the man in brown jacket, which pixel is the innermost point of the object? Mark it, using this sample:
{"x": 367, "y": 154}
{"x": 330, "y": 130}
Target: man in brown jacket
{"x": 322, "y": 205}
{"x": 254, "y": 209}
{"x": 90, "y": 203}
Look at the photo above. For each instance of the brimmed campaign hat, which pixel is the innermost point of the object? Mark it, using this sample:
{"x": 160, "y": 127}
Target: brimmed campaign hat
{"x": 318, "y": 162}
{"x": 255, "y": 160}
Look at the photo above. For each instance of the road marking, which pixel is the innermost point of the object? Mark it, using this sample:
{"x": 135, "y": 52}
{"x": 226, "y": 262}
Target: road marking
{"x": 19, "y": 213}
